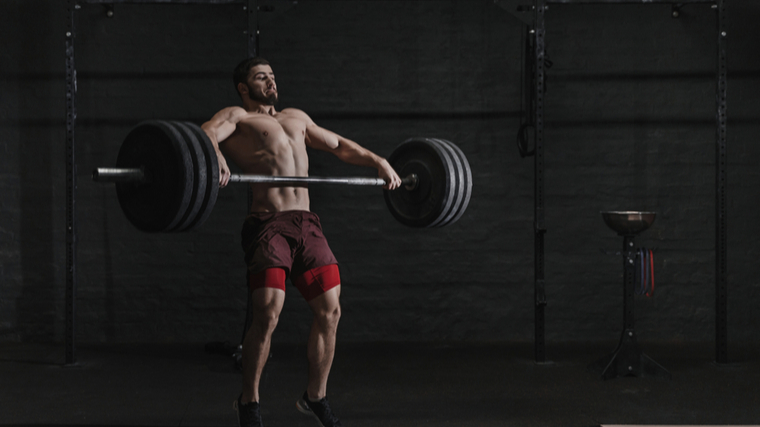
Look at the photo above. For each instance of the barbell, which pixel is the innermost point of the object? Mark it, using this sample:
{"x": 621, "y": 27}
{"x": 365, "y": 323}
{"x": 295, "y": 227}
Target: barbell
{"x": 167, "y": 177}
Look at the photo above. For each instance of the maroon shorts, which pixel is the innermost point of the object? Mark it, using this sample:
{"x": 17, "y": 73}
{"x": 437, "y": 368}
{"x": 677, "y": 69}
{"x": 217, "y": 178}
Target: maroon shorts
{"x": 293, "y": 242}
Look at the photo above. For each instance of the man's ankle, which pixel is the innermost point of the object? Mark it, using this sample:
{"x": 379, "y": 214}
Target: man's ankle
{"x": 245, "y": 400}
{"x": 313, "y": 399}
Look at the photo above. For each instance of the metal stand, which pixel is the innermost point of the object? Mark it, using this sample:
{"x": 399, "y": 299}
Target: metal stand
{"x": 628, "y": 359}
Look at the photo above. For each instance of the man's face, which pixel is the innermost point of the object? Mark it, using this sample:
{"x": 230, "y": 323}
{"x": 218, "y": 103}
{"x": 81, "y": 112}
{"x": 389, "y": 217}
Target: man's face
{"x": 261, "y": 85}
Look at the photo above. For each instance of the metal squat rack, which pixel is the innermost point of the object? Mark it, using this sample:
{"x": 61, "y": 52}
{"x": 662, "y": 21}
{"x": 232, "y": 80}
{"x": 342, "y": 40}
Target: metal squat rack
{"x": 533, "y": 15}
{"x": 251, "y": 8}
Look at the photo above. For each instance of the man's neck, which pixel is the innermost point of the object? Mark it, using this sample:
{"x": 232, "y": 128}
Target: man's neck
{"x": 257, "y": 107}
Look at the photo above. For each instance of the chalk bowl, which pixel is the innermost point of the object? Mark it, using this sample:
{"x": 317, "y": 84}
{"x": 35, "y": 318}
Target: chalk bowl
{"x": 628, "y": 223}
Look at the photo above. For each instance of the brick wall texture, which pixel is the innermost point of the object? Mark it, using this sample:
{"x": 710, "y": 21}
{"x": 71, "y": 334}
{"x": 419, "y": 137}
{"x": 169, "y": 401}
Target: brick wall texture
{"x": 630, "y": 125}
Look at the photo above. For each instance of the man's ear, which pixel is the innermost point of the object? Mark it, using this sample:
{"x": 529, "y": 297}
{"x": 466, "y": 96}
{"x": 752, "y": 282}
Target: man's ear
{"x": 242, "y": 89}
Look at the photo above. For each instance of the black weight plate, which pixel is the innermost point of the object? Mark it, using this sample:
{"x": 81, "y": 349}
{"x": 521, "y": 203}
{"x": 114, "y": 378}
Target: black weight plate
{"x": 457, "y": 175}
{"x": 159, "y": 203}
{"x": 188, "y": 172}
{"x": 467, "y": 186}
{"x": 199, "y": 175}
{"x": 432, "y": 198}
{"x": 212, "y": 176}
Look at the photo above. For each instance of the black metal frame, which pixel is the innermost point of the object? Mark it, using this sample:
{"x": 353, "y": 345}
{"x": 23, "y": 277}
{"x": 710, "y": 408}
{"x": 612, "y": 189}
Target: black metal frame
{"x": 721, "y": 247}
{"x": 539, "y": 228}
{"x": 721, "y": 204}
{"x": 250, "y": 6}
{"x": 71, "y": 184}
{"x": 629, "y": 1}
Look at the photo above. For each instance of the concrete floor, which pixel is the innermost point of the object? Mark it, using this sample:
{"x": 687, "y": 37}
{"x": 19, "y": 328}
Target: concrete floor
{"x": 376, "y": 385}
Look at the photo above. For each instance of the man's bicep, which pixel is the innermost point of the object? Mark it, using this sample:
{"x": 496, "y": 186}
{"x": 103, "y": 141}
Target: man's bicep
{"x": 224, "y": 130}
{"x": 315, "y": 136}
{"x": 321, "y": 138}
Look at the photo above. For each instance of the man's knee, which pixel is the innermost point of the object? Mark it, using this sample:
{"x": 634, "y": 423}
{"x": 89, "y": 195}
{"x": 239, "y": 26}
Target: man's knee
{"x": 328, "y": 316}
{"x": 265, "y": 321}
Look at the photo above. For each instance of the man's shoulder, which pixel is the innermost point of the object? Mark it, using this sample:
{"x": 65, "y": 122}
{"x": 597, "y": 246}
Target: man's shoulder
{"x": 236, "y": 111}
{"x": 232, "y": 114}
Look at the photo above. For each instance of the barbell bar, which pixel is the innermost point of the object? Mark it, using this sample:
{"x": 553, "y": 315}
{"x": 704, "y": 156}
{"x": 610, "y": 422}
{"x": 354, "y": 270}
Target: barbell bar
{"x": 167, "y": 176}
{"x": 138, "y": 175}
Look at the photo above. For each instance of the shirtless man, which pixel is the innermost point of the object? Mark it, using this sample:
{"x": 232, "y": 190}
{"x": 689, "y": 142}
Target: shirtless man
{"x": 281, "y": 237}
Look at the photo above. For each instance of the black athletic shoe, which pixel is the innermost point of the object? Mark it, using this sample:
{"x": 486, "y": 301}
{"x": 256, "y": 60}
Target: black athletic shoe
{"x": 319, "y": 410}
{"x": 248, "y": 414}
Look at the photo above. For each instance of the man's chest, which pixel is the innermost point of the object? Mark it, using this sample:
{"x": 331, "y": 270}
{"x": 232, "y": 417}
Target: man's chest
{"x": 267, "y": 129}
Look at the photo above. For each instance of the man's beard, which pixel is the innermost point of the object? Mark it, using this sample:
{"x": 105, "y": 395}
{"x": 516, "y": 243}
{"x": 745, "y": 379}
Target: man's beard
{"x": 268, "y": 100}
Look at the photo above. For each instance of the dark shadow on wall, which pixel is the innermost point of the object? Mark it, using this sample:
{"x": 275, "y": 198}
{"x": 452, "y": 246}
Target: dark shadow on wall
{"x": 36, "y": 306}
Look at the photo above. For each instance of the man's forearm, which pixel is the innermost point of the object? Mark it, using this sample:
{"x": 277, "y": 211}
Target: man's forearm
{"x": 211, "y": 136}
{"x": 350, "y": 152}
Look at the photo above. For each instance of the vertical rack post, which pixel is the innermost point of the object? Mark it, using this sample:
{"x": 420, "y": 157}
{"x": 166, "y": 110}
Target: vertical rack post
{"x": 71, "y": 184}
{"x": 252, "y": 13}
{"x": 721, "y": 245}
{"x": 252, "y": 9}
{"x": 539, "y": 227}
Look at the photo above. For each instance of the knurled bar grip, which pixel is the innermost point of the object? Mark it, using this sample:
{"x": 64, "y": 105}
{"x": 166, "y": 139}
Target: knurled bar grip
{"x": 138, "y": 175}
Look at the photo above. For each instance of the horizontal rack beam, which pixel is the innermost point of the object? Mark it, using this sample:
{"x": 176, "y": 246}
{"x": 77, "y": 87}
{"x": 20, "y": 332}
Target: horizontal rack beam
{"x": 160, "y": 1}
{"x": 679, "y": 2}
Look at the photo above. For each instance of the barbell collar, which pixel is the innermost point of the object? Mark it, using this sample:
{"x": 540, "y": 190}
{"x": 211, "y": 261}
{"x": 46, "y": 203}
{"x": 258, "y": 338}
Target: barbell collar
{"x": 138, "y": 175}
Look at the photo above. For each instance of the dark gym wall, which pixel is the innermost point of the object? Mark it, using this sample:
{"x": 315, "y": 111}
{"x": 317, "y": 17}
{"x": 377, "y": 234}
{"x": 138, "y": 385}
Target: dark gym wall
{"x": 630, "y": 125}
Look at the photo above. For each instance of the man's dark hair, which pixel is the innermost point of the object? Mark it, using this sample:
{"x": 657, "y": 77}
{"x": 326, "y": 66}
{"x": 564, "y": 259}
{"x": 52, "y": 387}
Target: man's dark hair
{"x": 240, "y": 75}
